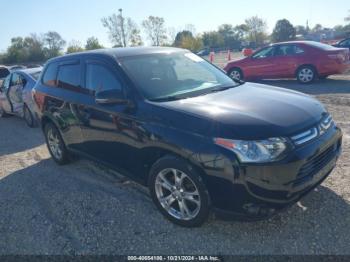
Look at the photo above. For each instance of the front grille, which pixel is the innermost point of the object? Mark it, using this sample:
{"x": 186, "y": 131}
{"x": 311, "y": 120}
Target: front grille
{"x": 308, "y": 135}
{"x": 315, "y": 165}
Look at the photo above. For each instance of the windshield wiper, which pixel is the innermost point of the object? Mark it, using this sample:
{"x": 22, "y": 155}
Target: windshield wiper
{"x": 222, "y": 88}
{"x": 168, "y": 98}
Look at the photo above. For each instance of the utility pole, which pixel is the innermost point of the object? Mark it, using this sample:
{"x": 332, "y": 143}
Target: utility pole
{"x": 122, "y": 26}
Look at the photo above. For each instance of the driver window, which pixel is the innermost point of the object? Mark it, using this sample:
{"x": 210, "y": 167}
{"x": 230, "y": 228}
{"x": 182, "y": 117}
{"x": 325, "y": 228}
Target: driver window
{"x": 266, "y": 52}
{"x": 99, "y": 78}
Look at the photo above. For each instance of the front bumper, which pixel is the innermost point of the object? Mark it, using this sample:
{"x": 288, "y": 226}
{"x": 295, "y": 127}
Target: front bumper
{"x": 259, "y": 191}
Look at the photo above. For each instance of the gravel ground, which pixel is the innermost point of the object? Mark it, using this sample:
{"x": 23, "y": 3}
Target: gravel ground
{"x": 85, "y": 209}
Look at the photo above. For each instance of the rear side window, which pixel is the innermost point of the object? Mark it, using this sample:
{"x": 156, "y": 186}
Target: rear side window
{"x": 69, "y": 76}
{"x": 50, "y": 75}
{"x": 285, "y": 50}
{"x": 99, "y": 78}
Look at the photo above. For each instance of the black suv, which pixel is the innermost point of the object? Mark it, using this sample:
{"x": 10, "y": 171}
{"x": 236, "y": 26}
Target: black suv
{"x": 198, "y": 139}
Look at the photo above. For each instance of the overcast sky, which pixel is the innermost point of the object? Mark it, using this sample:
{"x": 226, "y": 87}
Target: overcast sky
{"x": 80, "y": 19}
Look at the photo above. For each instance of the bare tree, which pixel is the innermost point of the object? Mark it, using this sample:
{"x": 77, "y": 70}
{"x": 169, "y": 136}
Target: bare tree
{"x": 54, "y": 43}
{"x": 171, "y": 35}
{"x": 257, "y": 29}
{"x": 123, "y": 31}
{"x": 155, "y": 30}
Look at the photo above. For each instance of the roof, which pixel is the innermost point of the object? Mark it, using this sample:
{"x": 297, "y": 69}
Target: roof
{"x": 126, "y": 51}
{"x": 30, "y": 71}
{"x": 294, "y": 42}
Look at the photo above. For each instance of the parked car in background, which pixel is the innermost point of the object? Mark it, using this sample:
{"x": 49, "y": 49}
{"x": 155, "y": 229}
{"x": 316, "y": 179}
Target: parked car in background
{"x": 203, "y": 52}
{"x": 304, "y": 60}
{"x": 16, "y": 94}
{"x": 343, "y": 43}
{"x": 197, "y": 138}
{"x": 4, "y": 72}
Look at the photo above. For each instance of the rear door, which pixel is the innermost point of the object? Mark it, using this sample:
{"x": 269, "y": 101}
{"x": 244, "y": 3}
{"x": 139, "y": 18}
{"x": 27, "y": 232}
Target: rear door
{"x": 287, "y": 60}
{"x": 62, "y": 81}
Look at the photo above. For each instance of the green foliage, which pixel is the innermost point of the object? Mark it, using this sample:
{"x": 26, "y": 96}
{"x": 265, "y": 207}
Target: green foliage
{"x": 213, "y": 39}
{"x": 74, "y": 47}
{"x": 283, "y": 31}
{"x": 92, "y": 43}
{"x": 180, "y": 36}
{"x": 155, "y": 30}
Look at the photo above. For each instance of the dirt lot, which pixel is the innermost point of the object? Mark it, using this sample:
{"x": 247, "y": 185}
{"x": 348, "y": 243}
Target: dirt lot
{"x": 85, "y": 209}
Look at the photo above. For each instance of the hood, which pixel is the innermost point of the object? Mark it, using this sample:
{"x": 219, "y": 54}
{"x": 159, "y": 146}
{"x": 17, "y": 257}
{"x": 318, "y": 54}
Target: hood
{"x": 253, "y": 111}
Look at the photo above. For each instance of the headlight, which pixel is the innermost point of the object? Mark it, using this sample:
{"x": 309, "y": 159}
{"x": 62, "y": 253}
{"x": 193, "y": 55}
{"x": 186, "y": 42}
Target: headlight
{"x": 259, "y": 151}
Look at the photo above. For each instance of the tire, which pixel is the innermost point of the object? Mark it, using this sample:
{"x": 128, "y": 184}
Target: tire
{"x": 28, "y": 116}
{"x": 236, "y": 73}
{"x": 187, "y": 210}
{"x": 306, "y": 74}
{"x": 55, "y": 144}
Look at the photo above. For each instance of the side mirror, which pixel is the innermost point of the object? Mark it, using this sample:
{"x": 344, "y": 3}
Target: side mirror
{"x": 113, "y": 96}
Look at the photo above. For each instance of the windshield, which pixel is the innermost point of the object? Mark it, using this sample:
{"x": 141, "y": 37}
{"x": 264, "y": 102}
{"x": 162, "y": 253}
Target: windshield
{"x": 174, "y": 75}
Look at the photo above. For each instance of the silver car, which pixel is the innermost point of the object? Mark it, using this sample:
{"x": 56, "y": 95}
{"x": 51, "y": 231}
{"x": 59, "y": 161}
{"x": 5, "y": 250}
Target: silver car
{"x": 15, "y": 95}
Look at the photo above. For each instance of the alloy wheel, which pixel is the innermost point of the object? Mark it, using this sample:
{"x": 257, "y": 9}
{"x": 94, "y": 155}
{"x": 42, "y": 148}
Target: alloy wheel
{"x": 306, "y": 75}
{"x": 54, "y": 143}
{"x": 177, "y": 194}
{"x": 235, "y": 74}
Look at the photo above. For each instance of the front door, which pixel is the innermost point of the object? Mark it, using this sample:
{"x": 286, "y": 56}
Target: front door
{"x": 262, "y": 64}
{"x": 109, "y": 131}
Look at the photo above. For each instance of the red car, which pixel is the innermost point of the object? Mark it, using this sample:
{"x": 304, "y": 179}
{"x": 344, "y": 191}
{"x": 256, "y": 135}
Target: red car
{"x": 304, "y": 60}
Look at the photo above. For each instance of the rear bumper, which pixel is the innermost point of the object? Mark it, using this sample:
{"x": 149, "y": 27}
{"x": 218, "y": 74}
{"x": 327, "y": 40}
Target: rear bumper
{"x": 334, "y": 68}
{"x": 259, "y": 191}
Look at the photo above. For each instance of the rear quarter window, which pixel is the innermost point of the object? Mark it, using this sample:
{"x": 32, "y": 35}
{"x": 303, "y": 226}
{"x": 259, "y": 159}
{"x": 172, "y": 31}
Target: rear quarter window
{"x": 50, "y": 74}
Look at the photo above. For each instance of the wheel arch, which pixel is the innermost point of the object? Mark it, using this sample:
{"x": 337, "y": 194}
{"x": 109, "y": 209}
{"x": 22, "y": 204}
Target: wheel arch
{"x": 151, "y": 155}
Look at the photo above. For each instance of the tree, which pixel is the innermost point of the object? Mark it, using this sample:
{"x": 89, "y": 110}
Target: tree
{"x": 34, "y": 47}
{"x": 192, "y": 43}
{"x": 180, "y": 36}
{"x": 123, "y": 31}
{"x": 283, "y": 31}
{"x": 92, "y": 43}
{"x": 348, "y": 17}
{"x": 74, "y": 47}
{"x": 212, "y": 39}
{"x": 317, "y": 28}
{"x": 301, "y": 30}
{"x": 241, "y": 31}
{"x": 54, "y": 44}
{"x": 155, "y": 30}
{"x": 231, "y": 36}
{"x": 256, "y": 30}
{"x": 22, "y": 50}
